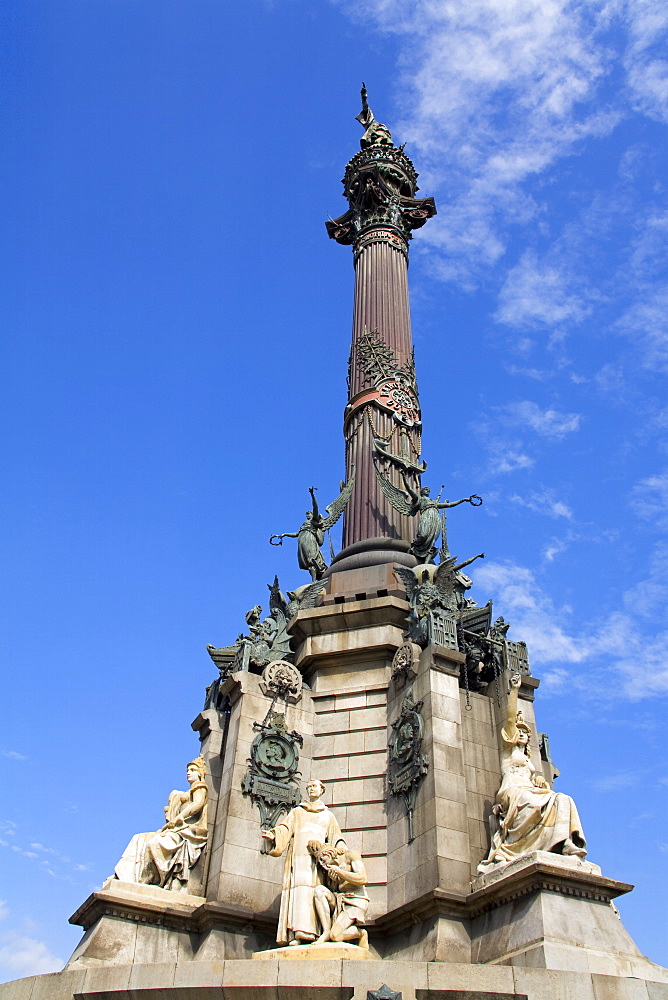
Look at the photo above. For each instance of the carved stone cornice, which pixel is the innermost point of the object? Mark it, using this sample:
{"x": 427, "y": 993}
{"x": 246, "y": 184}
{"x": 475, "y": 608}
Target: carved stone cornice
{"x": 142, "y": 908}
{"x": 533, "y": 877}
{"x": 196, "y": 916}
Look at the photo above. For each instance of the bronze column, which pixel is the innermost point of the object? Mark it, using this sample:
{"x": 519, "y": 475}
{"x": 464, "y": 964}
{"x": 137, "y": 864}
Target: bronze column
{"x": 383, "y": 414}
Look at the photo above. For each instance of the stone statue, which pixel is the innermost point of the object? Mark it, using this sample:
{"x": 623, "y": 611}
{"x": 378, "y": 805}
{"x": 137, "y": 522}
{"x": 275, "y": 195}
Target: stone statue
{"x": 167, "y": 857}
{"x": 530, "y": 815}
{"x": 310, "y": 820}
{"x": 342, "y": 901}
{"x": 409, "y": 502}
{"x": 311, "y": 535}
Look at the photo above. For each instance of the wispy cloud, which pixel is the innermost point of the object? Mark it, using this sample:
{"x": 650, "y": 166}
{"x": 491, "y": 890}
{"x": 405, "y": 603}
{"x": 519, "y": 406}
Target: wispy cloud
{"x": 51, "y": 861}
{"x": 21, "y": 956}
{"x": 625, "y": 644}
{"x": 509, "y": 460}
{"x": 650, "y": 499}
{"x": 13, "y": 755}
{"x": 548, "y": 423}
{"x": 616, "y": 782}
{"x": 554, "y": 548}
{"x": 494, "y": 94}
{"x": 538, "y": 294}
{"x": 543, "y": 502}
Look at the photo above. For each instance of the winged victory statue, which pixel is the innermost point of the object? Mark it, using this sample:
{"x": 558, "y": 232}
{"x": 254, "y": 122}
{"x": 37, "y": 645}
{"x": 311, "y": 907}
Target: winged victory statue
{"x": 410, "y": 503}
{"x": 311, "y": 536}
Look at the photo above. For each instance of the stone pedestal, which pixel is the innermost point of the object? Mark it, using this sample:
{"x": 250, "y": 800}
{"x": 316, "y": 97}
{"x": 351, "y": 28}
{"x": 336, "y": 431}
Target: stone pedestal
{"x": 284, "y": 979}
{"x": 325, "y": 952}
{"x": 427, "y": 901}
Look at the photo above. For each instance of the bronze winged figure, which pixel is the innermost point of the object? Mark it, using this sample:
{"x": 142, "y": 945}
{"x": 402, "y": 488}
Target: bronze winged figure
{"x": 410, "y": 503}
{"x": 311, "y": 536}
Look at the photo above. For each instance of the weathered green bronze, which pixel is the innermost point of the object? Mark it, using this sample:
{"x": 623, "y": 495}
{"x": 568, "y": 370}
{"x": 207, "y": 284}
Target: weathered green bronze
{"x": 380, "y": 185}
{"x": 311, "y": 535}
{"x": 410, "y": 503}
{"x": 272, "y": 777}
{"x": 407, "y": 764}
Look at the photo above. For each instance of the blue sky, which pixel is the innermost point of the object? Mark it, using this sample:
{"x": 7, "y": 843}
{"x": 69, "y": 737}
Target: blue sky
{"x": 176, "y": 327}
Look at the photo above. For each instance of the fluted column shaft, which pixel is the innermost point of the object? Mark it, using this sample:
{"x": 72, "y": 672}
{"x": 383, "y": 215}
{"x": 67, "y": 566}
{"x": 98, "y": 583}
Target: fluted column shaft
{"x": 381, "y": 307}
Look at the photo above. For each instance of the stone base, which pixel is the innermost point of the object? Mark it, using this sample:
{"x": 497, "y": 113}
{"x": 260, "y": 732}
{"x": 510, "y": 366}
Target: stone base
{"x": 284, "y": 979}
{"x": 552, "y": 911}
{"x": 317, "y": 952}
{"x": 502, "y": 869}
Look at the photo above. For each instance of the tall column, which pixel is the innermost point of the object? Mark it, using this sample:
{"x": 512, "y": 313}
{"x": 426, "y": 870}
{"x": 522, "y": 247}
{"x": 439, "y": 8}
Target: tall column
{"x": 383, "y": 414}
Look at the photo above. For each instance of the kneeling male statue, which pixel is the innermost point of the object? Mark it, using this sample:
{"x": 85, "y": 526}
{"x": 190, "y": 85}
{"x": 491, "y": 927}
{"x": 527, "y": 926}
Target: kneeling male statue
{"x": 341, "y": 901}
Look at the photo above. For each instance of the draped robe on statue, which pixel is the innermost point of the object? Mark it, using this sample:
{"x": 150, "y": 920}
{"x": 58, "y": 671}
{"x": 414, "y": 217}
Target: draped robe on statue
{"x": 307, "y": 821}
{"x": 533, "y": 818}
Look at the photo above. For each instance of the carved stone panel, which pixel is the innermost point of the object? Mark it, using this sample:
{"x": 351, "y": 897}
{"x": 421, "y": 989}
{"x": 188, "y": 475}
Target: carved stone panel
{"x": 281, "y": 679}
{"x": 403, "y": 665}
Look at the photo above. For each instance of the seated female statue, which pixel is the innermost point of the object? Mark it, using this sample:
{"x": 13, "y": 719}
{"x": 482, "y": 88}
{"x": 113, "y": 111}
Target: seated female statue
{"x": 531, "y": 816}
{"x": 166, "y": 857}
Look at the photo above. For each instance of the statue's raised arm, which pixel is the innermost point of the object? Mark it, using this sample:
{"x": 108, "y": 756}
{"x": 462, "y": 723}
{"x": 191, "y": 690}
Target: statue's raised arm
{"x": 510, "y": 726}
{"x": 314, "y": 501}
{"x": 474, "y": 500}
{"x": 311, "y": 535}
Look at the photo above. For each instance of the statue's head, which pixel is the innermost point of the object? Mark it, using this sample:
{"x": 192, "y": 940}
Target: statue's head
{"x": 314, "y": 789}
{"x": 523, "y": 733}
{"x": 196, "y": 770}
{"x": 425, "y": 491}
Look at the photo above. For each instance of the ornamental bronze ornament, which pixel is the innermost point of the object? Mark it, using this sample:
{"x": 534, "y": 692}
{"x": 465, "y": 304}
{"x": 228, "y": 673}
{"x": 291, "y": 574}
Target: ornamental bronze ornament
{"x": 272, "y": 777}
{"x": 380, "y": 185}
{"x": 407, "y": 764}
{"x": 311, "y": 536}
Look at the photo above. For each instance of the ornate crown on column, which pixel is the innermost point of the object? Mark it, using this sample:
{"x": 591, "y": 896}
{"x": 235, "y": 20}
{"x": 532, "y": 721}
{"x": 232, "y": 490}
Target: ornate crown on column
{"x": 380, "y": 185}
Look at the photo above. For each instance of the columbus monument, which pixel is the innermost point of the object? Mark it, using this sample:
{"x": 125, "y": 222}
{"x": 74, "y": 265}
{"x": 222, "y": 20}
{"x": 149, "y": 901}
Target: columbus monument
{"x": 372, "y": 811}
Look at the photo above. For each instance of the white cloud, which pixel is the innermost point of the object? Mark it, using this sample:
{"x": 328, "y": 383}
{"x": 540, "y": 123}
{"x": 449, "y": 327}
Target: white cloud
{"x": 548, "y": 423}
{"x": 539, "y": 295}
{"x": 554, "y": 548}
{"x": 645, "y": 322}
{"x": 624, "y": 651}
{"x": 544, "y": 502}
{"x": 650, "y": 499}
{"x": 509, "y": 460}
{"x": 12, "y": 755}
{"x": 647, "y": 72}
{"x": 532, "y": 613}
{"x": 616, "y": 782}
{"x": 22, "y": 956}
{"x": 494, "y": 92}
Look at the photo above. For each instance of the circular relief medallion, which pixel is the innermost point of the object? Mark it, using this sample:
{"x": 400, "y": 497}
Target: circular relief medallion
{"x": 276, "y": 755}
{"x": 282, "y": 677}
{"x": 406, "y": 740}
{"x": 400, "y": 398}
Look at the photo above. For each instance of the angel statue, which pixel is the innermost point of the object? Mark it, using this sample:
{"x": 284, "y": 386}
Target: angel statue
{"x": 311, "y": 535}
{"x": 429, "y": 589}
{"x": 409, "y": 502}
